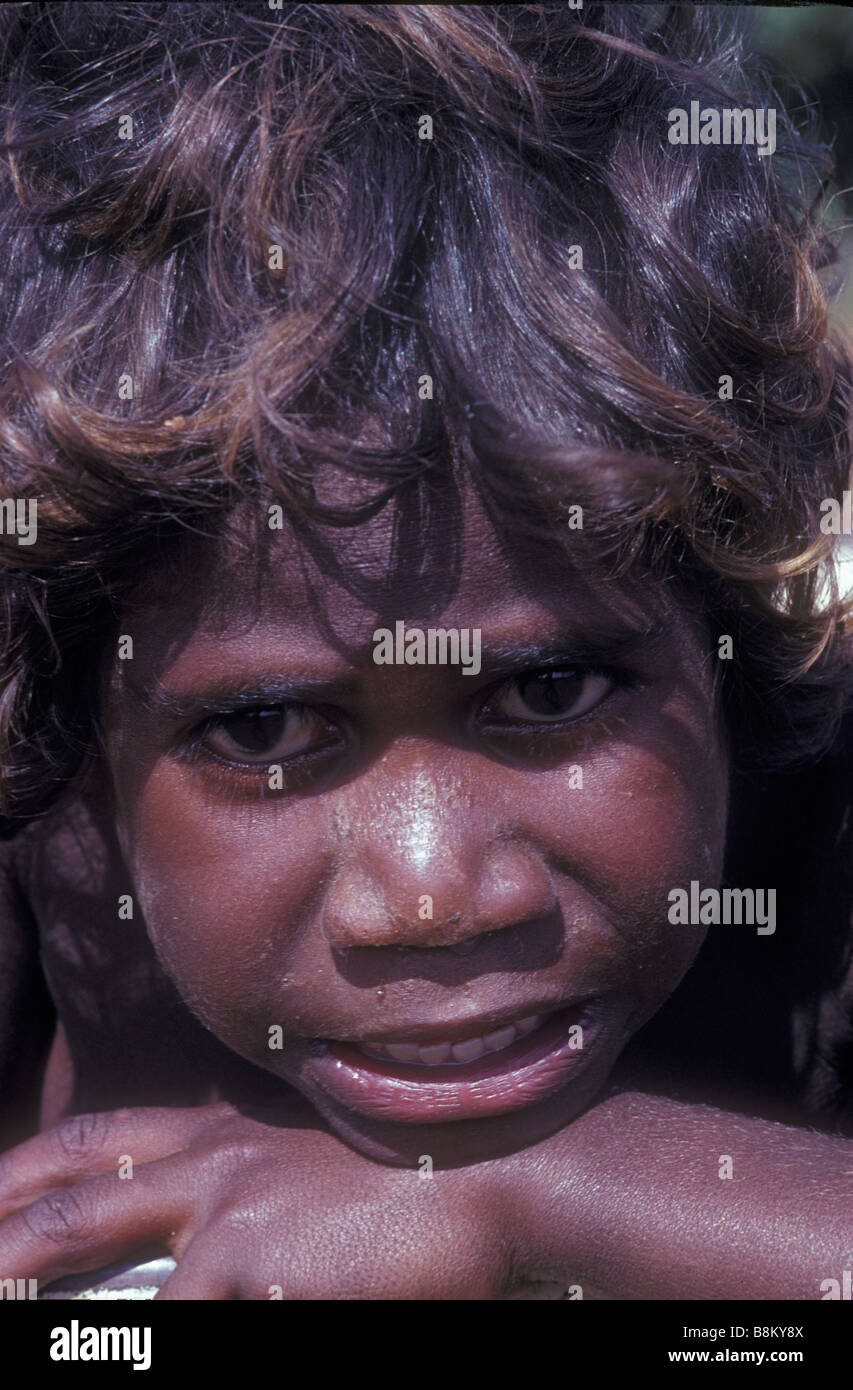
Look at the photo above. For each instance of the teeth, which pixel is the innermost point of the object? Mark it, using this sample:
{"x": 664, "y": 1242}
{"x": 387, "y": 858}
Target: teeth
{"x": 435, "y": 1054}
{"x": 469, "y": 1050}
{"x": 403, "y": 1052}
{"x": 439, "y": 1052}
{"x": 493, "y": 1042}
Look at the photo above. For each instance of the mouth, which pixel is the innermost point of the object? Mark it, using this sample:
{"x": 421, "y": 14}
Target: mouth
{"x": 466, "y": 1048}
{"x": 461, "y": 1075}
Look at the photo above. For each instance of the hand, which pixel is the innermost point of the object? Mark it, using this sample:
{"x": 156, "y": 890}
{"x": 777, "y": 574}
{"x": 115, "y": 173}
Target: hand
{"x": 247, "y": 1206}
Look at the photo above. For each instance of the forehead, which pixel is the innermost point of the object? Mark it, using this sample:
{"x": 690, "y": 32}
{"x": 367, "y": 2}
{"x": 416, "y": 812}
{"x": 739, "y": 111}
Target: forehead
{"x": 445, "y": 561}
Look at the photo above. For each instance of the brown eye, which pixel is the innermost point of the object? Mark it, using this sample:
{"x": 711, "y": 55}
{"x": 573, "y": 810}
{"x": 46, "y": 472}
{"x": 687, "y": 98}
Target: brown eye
{"x": 265, "y": 734}
{"x": 551, "y": 695}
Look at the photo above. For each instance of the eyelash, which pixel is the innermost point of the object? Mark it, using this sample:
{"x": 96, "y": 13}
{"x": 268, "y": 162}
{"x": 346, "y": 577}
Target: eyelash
{"x": 193, "y": 747}
{"x": 226, "y": 770}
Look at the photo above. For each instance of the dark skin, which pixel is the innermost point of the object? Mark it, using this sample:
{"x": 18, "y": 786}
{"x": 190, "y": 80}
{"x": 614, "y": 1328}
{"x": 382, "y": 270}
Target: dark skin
{"x": 293, "y": 907}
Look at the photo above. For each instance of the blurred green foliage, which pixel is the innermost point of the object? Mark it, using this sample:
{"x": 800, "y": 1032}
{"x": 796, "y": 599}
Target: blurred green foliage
{"x": 809, "y": 49}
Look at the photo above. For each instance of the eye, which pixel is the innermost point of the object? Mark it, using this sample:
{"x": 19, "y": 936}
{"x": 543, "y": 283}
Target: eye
{"x": 265, "y": 734}
{"x": 538, "y": 697}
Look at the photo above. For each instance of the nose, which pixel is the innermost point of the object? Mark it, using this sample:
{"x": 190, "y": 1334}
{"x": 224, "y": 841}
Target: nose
{"x": 433, "y": 868}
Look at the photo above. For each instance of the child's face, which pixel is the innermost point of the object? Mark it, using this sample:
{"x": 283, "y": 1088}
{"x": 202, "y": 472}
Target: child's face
{"x": 411, "y": 790}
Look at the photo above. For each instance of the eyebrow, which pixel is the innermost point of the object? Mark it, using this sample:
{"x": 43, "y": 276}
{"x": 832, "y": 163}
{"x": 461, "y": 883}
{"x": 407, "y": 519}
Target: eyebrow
{"x": 605, "y": 646}
{"x": 581, "y": 649}
{"x": 241, "y": 693}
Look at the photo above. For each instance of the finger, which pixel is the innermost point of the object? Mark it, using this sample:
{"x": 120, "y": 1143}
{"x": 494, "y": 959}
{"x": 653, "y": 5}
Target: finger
{"x": 86, "y": 1146}
{"x": 201, "y": 1274}
{"x": 97, "y": 1222}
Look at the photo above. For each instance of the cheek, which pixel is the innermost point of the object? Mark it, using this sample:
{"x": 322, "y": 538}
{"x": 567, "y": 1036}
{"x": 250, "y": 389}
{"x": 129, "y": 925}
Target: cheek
{"x": 645, "y": 823}
{"x": 220, "y": 886}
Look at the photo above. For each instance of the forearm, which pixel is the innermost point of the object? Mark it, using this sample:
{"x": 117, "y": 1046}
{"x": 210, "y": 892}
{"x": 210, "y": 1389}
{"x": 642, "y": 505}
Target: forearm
{"x": 630, "y": 1198}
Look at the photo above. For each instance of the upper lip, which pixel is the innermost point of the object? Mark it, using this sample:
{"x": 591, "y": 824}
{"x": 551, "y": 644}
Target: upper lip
{"x": 460, "y": 1030}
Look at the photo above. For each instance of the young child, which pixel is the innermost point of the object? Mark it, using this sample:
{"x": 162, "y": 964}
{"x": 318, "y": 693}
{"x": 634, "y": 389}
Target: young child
{"x": 419, "y": 636}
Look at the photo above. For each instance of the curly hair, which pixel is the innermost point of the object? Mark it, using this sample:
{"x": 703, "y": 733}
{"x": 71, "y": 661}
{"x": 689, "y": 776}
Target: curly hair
{"x": 236, "y": 211}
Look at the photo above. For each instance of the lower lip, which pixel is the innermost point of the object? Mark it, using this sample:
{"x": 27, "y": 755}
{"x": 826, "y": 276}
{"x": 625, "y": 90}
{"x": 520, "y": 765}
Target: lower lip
{"x": 527, "y": 1071}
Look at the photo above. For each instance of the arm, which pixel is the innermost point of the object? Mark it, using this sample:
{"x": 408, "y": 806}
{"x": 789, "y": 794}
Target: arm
{"x": 626, "y": 1202}
{"x": 629, "y": 1198}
